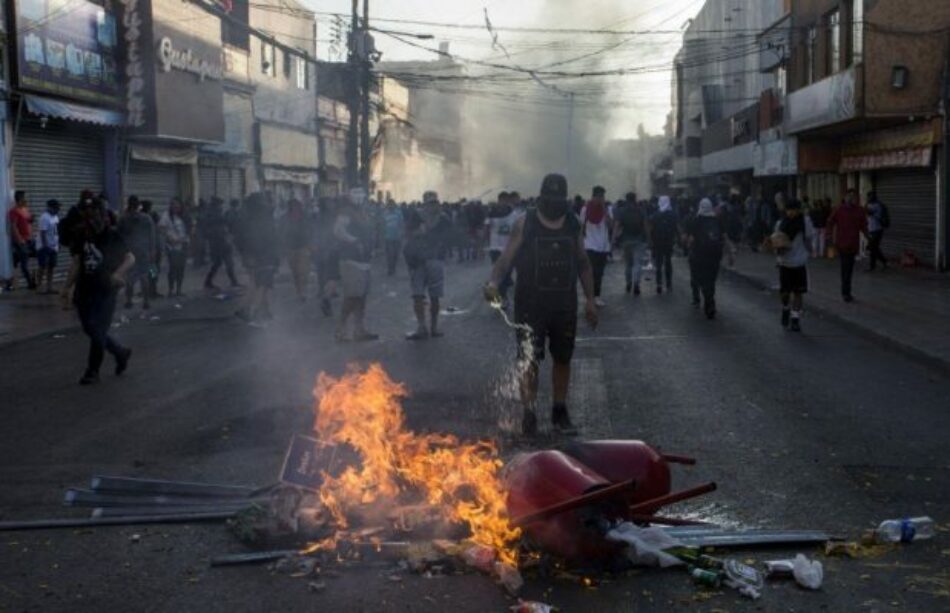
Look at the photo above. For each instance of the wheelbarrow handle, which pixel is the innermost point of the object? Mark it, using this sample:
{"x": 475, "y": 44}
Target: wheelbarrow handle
{"x": 612, "y": 491}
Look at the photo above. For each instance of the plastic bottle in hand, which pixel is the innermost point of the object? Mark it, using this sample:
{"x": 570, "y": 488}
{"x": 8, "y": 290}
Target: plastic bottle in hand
{"x": 905, "y": 530}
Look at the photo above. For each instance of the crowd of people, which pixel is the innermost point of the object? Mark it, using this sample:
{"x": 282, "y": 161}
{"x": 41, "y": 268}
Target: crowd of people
{"x": 542, "y": 247}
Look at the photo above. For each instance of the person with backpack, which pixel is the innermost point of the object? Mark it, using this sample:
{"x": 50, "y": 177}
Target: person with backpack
{"x": 879, "y": 220}
{"x": 631, "y": 230}
{"x": 707, "y": 239}
{"x": 138, "y": 232}
{"x": 663, "y": 234}
{"x": 792, "y": 242}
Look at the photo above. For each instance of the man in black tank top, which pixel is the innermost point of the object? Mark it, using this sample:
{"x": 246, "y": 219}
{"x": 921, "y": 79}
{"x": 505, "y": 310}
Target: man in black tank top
{"x": 546, "y": 250}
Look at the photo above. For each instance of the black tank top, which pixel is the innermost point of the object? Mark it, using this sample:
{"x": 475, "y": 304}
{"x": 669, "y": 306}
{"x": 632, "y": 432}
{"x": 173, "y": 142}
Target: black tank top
{"x": 547, "y": 266}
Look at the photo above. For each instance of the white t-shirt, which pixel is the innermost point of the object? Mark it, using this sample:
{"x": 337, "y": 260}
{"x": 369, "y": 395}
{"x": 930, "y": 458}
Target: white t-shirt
{"x": 596, "y": 236}
{"x": 49, "y": 224}
{"x": 499, "y": 229}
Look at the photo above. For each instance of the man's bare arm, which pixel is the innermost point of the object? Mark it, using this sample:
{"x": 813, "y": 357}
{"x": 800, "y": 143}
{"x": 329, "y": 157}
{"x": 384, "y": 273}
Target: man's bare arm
{"x": 586, "y": 271}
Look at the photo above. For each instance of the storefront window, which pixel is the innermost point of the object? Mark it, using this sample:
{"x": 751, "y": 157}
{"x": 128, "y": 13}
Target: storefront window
{"x": 302, "y": 77}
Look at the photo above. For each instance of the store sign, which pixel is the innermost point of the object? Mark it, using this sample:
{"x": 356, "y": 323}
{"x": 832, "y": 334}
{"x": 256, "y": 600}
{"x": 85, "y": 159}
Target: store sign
{"x": 826, "y": 102}
{"x": 68, "y": 48}
{"x": 187, "y": 61}
{"x": 777, "y": 157}
{"x": 919, "y": 157}
{"x": 134, "y": 69}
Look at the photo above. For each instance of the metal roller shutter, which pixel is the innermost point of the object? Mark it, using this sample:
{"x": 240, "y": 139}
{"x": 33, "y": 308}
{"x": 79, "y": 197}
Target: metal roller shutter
{"x": 237, "y": 183}
{"x": 153, "y": 181}
{"x": 911, "y": 198}
{"x": 206, "y": 182}
{"x": 57, "y": 161}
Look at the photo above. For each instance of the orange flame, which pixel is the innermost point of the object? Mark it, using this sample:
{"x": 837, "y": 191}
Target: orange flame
{"x": 461, "y": 480}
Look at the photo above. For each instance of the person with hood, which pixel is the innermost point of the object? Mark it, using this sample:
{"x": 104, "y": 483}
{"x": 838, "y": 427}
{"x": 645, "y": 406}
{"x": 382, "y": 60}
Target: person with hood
{"x": 630, "y": 228}
{"x": 707, "y": 238}
{"x": 663, "y": 233}
{"x": 546, "y": 248}
{"x": 792, "y": 242}
{"x": 138, "y": 232}
{"x": 596, "y": 222}
{"x": 844, "y": 229}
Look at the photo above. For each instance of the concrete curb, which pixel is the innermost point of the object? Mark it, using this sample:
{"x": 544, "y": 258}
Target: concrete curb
{"x": 912, "y": 352}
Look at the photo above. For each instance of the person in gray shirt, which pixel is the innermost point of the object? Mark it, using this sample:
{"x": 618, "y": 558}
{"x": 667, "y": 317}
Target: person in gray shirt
{"x": 792, "y": 242}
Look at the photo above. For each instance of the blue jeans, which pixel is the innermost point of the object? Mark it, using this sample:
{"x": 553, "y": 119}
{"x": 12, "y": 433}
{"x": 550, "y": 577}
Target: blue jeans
{"x": 633, "y": 261}
{"x": 95, "y": 308}
{"x": 21, "y": 258}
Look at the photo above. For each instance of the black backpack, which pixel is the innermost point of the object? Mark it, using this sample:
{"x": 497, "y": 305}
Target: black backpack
{"x": 632, "y": 221}
{"x": 709, "y": 235}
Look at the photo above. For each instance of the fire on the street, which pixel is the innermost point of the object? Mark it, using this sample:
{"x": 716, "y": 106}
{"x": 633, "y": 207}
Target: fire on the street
{"x": 459, "y": 480}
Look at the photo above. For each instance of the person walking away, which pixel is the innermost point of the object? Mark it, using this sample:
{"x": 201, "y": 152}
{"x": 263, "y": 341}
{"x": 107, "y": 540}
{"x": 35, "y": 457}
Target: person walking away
{"x": 326, "y": 254}
{"x": 846, "y": 225}
{"x": 138, "y": 232}
{"x": 174, "y": 231}
{"x": 879, "y": 220}
{"x": 631, "y": 229}
{"x": 21, "y": 237}
{"x": 500, "y": 222}
{"x": 707, "y": 240}
{"x": 218, "y": 232}
{"x": 159, "y": 249}
{"x": 596, "y": 223}
{"x": 47, "y": 254}
{"x": 296, "y": 234}
{"x": 546, "y": 249}
{"x": 792, "y": 240}
{"x": 819, "y": 219}
{"x": 424, "y": 252}
{"x": 353, "y": 236}
{"x": 393, "y": 231}
{"x": 104, "y": 262}
{"x": 663, "y": 234}
{"x": 260, "y": 251}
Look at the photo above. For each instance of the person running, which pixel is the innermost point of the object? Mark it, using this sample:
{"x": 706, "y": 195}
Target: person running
{"x": 596, "y": 222}
{"x": 47, "y": 253}
{"x": 879, "y": 220}
{"x": 174, "y": 230}
{"x": 707, "y": 238}
{"x": 663, "y": 234}
{"x": 546, "y": 249}
{"x": 218, "y": 229}
{"x": 428, "y": 236}
{"x": 393, "y": 231}
{"x": 104, "y": 261}
{"x": 138, "y": 232}
{"x": 296, "y": 233}
{"x": 21, "y": 237}
{"x": 353, "y": 235}
{"x": 845, "y": 226}
{"x": 631, "y": 229}
{"x": 792, "y": 241}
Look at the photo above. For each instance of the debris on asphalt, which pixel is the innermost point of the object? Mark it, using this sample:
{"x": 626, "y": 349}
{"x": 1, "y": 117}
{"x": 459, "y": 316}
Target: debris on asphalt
{"x": 135, "y": 538}
{"x": 905, "y": 530}
{"x": 744, "y": 578}
{"x": 316, "y": 586}
{"x": 808, "y": 573}
{"x": 531, "y": 606}
{"x": 646, "y": 546}
{"x": 775, "y": 569}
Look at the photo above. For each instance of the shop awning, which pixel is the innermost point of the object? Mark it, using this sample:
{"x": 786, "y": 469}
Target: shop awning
{"x": 75, "y": 112}
{"x": 164, "y": 154}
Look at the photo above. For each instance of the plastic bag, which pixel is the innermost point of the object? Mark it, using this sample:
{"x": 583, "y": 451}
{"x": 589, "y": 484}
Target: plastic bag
{"x": 646, "y": 545}
{"x": 808, "y": 573}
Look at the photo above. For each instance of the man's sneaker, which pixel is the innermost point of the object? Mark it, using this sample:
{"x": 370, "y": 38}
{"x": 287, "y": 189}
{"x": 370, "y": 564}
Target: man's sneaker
{"x": 796, "y": 325}
{"x": 529, "y": 423}
{"x": 122, "y": 361}
{"x": 786, "y": 315}
{"x": 419, "y": 335}
{"x": 710, "y": 310}
{"x": 89, "y": 378}
{"x": 561, "y": 420}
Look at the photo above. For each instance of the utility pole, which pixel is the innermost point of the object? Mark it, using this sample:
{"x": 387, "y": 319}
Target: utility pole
{"x": 570, "y": 134}
{"x": 365, "y": 65}
{"x": 353, "y": 97}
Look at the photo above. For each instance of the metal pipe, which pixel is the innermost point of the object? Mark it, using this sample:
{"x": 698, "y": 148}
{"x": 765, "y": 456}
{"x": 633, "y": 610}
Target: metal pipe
{"x": 108, "y": 484}
{"x": 667, "y": 521}
{"x": 92, "y": 522}
{"x": 234, "y": 509}
{"x": 88, "y": 498}
{"x": 673, "y": 458}
{"x": 662, "y": 501}
{"x": 612, "y": 491}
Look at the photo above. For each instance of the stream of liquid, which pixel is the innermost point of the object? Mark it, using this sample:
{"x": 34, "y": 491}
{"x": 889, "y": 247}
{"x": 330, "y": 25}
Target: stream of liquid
{"x": 507, "y": 391}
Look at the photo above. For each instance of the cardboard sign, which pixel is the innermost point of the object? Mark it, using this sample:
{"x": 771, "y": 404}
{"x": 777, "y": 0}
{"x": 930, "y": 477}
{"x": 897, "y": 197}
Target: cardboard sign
{"x": 306, "y": 460}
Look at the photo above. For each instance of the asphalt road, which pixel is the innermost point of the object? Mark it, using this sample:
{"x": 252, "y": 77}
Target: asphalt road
{"x": 820, "y": 430}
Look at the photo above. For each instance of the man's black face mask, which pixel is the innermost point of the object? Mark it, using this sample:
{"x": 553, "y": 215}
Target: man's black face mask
{"x": 553, "y": 209}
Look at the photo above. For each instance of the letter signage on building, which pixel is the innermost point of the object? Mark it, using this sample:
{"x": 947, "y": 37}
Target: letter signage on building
{"x": 68, "y": 48}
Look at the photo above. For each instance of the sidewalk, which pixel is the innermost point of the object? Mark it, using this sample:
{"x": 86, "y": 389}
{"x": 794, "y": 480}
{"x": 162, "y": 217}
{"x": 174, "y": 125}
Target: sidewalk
{"x": 906, "y": 309}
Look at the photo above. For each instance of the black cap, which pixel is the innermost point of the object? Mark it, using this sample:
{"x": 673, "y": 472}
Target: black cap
{"x": 554, "y": 187}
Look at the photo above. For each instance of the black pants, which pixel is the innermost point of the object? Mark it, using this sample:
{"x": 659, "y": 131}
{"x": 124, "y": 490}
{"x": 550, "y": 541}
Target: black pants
{"x": 874, "y": 247}
{"x": 95, "y": 310}
{"x": 176, "y": 269}
{"x": 847, "y": 272}
{"x": 598, "y": 262}
{"x": 703, "y": 275}
{"x": 392, "y": 255}
{"x": 221, "y": 255}
{"x": 21, "y": 258}
{"x": 663, "y": 262}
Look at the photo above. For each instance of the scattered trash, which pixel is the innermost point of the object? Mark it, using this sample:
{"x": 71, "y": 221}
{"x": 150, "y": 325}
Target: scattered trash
{"x": 775, "y": 569}
{"x": 509, "y": 577}
{"x": 808, "y": 573}
{"x": 742, "y": 577}
{"x": 717, "y": 537}
{"x": 905, "y": 530}
{"x": 531, "y": 606}
{"x": 705, "y": 577}
{"x": 480, "y": 557}
{"x": 316, "y": 586}
{"x": 135, "y": 538}
{"x": 646, "y": 545}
